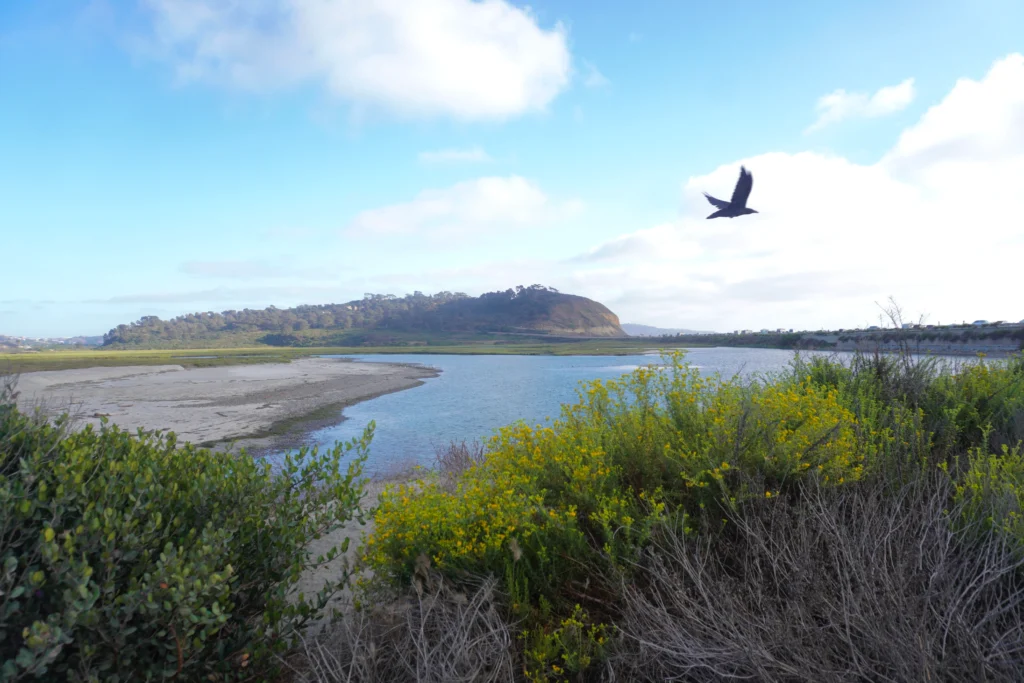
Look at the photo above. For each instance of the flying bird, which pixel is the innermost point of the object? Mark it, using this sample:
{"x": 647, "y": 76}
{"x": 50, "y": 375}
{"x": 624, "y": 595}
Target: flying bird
{"x": 737, "y": 206}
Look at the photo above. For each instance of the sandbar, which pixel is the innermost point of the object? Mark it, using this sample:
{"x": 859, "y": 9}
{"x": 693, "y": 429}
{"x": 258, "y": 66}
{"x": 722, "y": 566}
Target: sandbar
{"x": 260, "y": 407}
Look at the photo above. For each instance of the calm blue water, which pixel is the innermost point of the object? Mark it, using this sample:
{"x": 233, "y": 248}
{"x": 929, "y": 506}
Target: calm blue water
{"x": 474, "y": 395}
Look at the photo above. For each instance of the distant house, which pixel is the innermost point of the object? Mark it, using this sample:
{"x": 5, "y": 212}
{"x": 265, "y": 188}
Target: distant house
{"x": 874, "y": 327}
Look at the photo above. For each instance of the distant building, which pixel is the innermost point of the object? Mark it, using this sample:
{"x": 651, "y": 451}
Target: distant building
{"x": 979, "y": 323}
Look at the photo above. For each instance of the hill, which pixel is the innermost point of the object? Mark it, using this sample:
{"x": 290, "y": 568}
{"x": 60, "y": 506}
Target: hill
{"x": 382, "y": 319}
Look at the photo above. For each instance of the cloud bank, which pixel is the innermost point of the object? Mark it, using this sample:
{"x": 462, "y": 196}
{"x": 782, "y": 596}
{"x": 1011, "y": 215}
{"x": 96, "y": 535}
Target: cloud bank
{"x": 459, "y": 58}
{"x": 936, "y": 222}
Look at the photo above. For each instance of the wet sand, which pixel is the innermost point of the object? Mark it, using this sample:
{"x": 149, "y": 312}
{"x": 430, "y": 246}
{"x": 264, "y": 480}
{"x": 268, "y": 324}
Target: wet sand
{"x": 260, "y": 407}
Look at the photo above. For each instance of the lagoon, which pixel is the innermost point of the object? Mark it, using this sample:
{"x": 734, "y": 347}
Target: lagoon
{"x": 475, "y": 395}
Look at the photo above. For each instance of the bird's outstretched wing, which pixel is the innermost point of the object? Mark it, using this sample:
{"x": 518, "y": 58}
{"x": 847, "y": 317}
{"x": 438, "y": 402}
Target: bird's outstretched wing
{"x": 717, "y": 203}
{"x": 743, "y": 187}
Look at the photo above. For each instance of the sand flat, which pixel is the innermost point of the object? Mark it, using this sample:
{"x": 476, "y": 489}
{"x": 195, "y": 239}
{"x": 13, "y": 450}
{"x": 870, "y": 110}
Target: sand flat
{"x": 216, "y": 405}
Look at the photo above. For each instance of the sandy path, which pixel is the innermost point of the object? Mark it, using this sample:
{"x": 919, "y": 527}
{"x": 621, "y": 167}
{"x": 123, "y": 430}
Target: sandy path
{"x": 312, "y": 580}
{"x": 273, "y": 402}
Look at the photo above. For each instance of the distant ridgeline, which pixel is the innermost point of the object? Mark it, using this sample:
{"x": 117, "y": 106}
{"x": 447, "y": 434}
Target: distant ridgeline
{"x": 382, "y": 319}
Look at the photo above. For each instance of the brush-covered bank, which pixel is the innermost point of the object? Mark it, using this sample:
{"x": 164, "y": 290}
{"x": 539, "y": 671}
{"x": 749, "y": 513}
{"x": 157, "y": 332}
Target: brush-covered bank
{"x": 853, "y": 521}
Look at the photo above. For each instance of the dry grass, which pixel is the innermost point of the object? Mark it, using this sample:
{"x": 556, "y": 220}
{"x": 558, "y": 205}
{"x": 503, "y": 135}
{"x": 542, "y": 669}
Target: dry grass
{"x": 452, "y": 460}
{"x": 430, "y": 634}
{"x": 857, "y": 583}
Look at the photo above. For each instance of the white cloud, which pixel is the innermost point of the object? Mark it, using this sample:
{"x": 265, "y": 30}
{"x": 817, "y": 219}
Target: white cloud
{"x": 978, "y": 122}
{"x": 594, "y": 78}
{"x": 467, "y": 208}
{"x": 467, "y": 59}
{"x": 934, "y": 222}
{"x": 840, "y": 105}
{"x": 441, "y": 156}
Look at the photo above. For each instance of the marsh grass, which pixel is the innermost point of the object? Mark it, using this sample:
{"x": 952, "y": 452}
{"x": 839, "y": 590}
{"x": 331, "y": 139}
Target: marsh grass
{"x": 197, "y": 356}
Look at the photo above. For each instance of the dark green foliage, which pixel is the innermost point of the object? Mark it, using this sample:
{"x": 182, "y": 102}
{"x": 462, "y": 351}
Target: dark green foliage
{"x": 534, "y": 308}
{"x": 128, "y": 557}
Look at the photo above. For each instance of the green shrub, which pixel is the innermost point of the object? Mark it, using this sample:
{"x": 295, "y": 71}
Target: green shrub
{"x": 992, "y": 491}
{"x": 128, "y": 557}
{"x": 563, "y": 651}
{"x": 927, "y": 408}
{"x": 979, "y": 406}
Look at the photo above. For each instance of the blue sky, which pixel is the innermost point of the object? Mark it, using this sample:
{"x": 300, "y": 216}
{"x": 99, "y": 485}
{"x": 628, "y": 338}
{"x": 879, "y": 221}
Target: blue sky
{"x": 168, "y": 156}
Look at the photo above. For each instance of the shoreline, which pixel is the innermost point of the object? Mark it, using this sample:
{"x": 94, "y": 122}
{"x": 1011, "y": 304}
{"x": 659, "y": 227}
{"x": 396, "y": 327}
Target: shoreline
{"x": 262, "y": 408}
{"x": 292, "y": 432}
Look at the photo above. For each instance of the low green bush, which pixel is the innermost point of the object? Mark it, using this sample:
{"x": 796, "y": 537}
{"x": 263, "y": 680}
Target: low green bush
{"x": 991, "y": 490}
{"x": 128, "y": 557}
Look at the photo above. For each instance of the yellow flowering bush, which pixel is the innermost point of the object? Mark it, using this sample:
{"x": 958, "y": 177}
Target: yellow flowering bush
{"x": 557, "y": 502}
{"x": 564, "y": 514}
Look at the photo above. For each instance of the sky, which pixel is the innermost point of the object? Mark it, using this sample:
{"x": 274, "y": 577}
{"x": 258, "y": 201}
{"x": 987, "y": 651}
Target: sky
{"x": 160, "y": 157}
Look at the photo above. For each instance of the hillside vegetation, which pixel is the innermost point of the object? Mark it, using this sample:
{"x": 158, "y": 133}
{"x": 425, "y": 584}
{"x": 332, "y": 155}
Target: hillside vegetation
{"x": 837, "y": 522}
{"x": 380, "y": 319}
